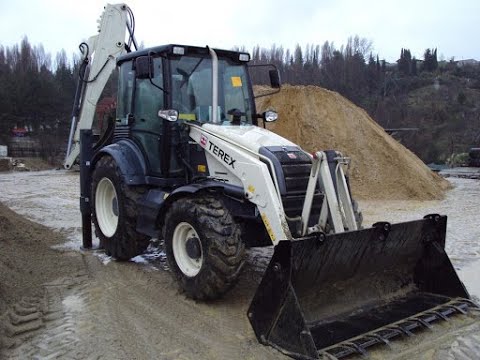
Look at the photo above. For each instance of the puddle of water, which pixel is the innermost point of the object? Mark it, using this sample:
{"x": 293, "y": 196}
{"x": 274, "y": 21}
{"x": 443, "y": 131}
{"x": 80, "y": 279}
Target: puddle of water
{"x": 462, "y": 207}
{"x": 104, "y": 258}
{"x": 470, "y": 276}
{"x": 73, "y": 304}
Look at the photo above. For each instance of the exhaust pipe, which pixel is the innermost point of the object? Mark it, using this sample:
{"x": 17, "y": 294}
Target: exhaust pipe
{"x": 214, "y": 117}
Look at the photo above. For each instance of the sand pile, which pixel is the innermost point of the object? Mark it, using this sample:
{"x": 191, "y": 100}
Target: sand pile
{"x": 381, "y": 168}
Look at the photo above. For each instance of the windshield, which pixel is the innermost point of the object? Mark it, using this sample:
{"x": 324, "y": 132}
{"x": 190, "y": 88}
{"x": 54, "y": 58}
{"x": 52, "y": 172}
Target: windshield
{"x": 192, "y": 90}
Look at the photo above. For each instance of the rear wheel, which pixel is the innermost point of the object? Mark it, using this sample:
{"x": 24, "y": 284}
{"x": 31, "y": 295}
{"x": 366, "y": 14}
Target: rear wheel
{"x": 115, "y": 212}
{"x": 203, "y": 246}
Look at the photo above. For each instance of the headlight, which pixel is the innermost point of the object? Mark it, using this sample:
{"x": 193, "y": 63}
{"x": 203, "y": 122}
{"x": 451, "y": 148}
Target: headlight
{"x": 244, "y": 57}
{"x": 270, "y": 116}
{"x": 178, "y": 50}
{"x": 169, "y": 115}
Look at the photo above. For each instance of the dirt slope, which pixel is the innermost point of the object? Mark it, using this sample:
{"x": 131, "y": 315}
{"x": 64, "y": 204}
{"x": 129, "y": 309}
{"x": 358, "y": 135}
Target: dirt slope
{"x": 381, "y": 168}
{"x": 26, "y": 257}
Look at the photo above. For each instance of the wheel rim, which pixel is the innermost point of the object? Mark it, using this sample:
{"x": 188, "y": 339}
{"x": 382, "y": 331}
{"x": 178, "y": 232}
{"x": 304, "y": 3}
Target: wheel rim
{"x": 106, "y": 207}
{"x": 184, "y": 233}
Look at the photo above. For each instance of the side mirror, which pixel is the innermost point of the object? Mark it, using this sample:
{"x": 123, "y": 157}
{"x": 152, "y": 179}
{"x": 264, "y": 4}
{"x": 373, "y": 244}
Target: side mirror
{"x": 143, "y": 67}
{"x": 169, "y": 115}
{"x": 275, "y": 82}
{"x": 274, "y": 79}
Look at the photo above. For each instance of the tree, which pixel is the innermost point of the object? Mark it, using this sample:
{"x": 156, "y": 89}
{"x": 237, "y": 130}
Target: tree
{"x": 405, "y": 62}
{"x": 430, "y": 62}
{"x": 31, "y": 94}
{"x": 372, "y": 74}
{"x": 413, "y": 67}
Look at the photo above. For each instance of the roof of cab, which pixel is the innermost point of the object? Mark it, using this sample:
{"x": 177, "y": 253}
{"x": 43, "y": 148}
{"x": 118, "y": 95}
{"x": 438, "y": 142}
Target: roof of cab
{"x": 189, "y": 50}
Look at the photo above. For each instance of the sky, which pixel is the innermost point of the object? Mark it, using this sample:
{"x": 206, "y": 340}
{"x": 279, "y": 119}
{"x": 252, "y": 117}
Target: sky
{"x": 453, "y": 27}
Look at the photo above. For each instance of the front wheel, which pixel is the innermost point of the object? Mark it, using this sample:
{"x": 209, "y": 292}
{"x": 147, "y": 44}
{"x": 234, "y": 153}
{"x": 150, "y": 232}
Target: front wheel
{"x": 203, "y": 246}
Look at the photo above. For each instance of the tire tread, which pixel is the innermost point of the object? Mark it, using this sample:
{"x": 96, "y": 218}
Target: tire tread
{"x": 225, "y": 255}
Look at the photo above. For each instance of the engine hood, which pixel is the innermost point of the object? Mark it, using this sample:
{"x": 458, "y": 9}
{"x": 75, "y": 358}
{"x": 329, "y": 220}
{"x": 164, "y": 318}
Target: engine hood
{"x": 249, "y": 136}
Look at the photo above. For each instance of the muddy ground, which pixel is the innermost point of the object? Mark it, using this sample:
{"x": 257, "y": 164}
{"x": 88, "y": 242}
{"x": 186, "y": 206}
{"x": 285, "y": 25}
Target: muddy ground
{"x": 61, "y": 303}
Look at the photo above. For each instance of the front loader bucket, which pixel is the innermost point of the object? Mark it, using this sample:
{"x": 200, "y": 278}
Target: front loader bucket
{"x": 338, "y": 294}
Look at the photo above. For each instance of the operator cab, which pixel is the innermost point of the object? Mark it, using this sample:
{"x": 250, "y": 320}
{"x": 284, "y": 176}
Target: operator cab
{"x": 180, "y": 78}
{"x": 174, "y": 82}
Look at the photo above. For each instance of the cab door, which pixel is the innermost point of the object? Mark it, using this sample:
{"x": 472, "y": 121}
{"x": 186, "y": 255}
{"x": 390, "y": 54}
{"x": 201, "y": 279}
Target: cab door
{"x": 139, "y": 100}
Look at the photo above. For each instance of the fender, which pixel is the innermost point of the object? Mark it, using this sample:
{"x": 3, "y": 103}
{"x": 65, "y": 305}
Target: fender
{"x": 128, "y": 158}
{"x": 156, "y": 202}
{"x": 227, "y": 189}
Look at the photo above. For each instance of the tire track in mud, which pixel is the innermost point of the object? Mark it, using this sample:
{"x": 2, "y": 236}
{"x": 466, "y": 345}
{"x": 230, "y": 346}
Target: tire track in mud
{"x": 129, "y": 310}
{"x": 154, "y": 321}
{"x": 22, "y": 320}
{"x": 464, "y": 348}
{"x": 45, "y": 327}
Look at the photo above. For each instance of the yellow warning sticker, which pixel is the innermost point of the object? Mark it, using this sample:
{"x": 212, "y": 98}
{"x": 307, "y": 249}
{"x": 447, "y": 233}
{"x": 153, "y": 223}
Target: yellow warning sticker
{"x": 236, "y": 81}
{"x": 268, "y": 227}
{"x": 188, "y": 117}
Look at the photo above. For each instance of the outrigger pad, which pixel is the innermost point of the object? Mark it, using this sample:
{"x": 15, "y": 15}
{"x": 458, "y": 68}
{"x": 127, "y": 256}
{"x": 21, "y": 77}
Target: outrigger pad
{"x": 326, "y": 292}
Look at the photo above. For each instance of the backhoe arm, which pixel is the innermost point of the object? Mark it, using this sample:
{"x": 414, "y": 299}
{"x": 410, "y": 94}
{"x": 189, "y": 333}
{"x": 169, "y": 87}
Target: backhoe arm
{"x": 100, "y": 53}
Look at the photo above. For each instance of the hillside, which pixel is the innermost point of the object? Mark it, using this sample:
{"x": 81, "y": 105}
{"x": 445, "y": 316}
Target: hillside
{"x": 381, "y": 167}
{"x": 444, "y": 106}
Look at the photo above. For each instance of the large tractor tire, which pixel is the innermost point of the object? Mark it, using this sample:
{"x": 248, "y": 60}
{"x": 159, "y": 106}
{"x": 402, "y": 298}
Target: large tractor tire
{"x": 115, "y": 212}
{"x": 203, "y": 246}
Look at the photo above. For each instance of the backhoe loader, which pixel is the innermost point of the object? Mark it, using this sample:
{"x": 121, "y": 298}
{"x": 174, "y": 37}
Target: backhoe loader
{"x": 186, "y": 160}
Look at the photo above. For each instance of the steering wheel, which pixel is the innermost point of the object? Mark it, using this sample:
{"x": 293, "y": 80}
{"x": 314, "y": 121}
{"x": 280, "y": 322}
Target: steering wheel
{"x": 237, "y": 114}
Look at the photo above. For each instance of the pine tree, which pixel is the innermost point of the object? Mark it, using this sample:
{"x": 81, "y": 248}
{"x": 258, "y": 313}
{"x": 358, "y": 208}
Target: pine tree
{"x": 414, "y": 67}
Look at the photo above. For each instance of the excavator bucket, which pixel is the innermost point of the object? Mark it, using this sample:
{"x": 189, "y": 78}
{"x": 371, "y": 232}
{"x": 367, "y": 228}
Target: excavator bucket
{"x": 336, "y": 295}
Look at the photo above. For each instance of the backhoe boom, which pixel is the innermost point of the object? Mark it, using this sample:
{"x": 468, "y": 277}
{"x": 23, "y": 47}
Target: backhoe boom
{"x": 100, "y": 54}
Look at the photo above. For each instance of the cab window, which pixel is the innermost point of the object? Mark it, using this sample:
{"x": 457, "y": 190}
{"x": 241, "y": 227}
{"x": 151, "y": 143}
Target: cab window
{"x": 147, "y": 128}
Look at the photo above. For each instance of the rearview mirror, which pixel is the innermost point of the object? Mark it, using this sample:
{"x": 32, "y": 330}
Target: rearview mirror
{"x": 143, "y": 67}
{"x": 274, "y": 79}
{"x": 274, "y": 76}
